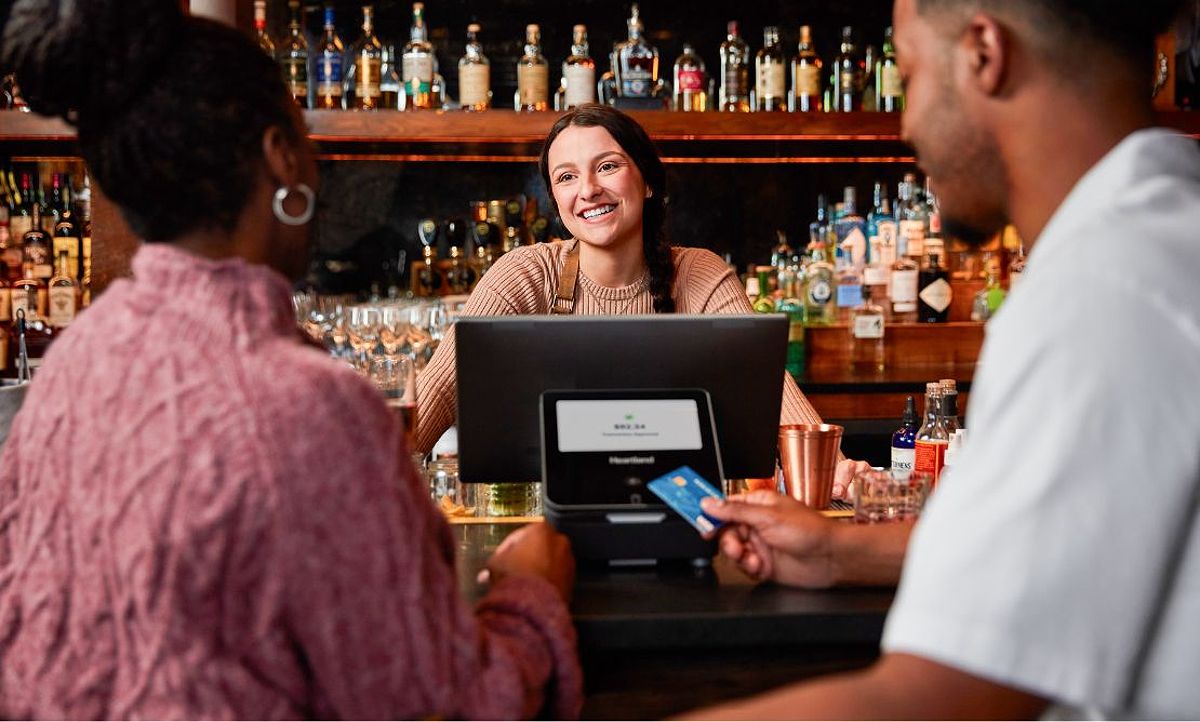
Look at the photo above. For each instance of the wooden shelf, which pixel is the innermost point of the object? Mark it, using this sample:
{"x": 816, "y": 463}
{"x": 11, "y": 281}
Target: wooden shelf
{"x": 508, "y": 136}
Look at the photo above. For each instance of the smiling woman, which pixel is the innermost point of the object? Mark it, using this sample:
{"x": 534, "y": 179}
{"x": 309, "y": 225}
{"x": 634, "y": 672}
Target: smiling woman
{"x": 609, "y": 187}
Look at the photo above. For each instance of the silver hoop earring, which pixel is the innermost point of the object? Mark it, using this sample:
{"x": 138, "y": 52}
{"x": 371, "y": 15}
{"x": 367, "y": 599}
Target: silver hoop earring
{"x": 310, "y": 205}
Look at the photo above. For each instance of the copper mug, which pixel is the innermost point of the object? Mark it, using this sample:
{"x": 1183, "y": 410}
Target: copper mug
{"x": 808, "y": 454}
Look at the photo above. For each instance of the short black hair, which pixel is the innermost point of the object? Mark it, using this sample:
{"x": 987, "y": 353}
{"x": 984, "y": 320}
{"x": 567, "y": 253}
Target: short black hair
{"x": 1127, "y": 27}
{"x": 170, "y": 110}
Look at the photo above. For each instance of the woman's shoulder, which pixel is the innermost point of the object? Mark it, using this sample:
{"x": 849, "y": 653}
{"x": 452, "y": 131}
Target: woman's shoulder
{"x": 538, "y": 260}
{"x": 699, "y": 263}
{"x": 520, "y": 280}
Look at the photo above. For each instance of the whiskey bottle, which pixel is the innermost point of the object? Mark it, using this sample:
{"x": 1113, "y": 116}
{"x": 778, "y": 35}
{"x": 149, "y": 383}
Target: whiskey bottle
{"x": 66, "y": 233}
{"x": 533, "y": 74}
{"x": 293, "y": 57}
{"x": 260, "y": 29}
{"x": 63, "y": 295}
{"x": 37, "y": 250}
{"x": 636, "y": 61}
{"x": 417, "y": 64}
{"x": 578, "y": 73}
{"x": 5, "y": 297}
{"x": 847, "y": 75}
{"x": 889, "y": 89}
{"x": 20, "y": 219}
{"x": 806, "y": 76}
{"x": 474, "y": 74}
{"x": 691, "y": 81}
{"x": 57, "y": 204}
{"x": 735, "y": 72}
{"x": 770, "y": 73}
{"x": 366, "y": 71}
{"x": 329, "y": 66}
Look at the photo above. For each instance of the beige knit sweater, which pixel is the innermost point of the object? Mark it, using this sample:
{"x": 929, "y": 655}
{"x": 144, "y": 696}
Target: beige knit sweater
{"x": 524, "y": 281}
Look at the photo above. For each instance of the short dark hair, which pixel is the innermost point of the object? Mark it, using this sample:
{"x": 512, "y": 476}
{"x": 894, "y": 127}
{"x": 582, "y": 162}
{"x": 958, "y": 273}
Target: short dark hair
{"x": 170, "y": 110}
{"x": 1127, "y": 27}
{"x": 633, "y": 139}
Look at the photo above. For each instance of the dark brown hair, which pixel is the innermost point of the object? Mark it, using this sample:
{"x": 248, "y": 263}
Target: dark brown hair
{"x": 637, "y": 145}
{"x": 171, "y": 110}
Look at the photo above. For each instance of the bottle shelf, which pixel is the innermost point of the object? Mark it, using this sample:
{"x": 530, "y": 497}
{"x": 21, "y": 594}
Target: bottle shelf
{"x": 508, "y": 136}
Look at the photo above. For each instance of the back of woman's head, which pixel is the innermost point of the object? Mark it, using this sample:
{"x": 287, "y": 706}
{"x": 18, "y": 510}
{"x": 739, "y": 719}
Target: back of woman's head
{"x": 170, "y": 110}
{"x": 636, "y": 144}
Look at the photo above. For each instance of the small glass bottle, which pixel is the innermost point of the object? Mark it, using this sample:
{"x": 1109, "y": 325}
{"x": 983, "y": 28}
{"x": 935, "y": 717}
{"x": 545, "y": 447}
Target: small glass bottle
{"x": 988, "y": 300}
{"x": 474, "y": 74}
{"x": 265, "y": 43}
{"x": 366, "y": 72}
{"x": 867, "y": 330}
{"x": 905, "y": 438}
{"x": 533, "y": 74}
{"x": 806, "y": 76}
{"x": 578, "y": 73}
{"x": 735, "y": 72}
{"x": 932, "y": 437}
{"x": 418, "y": 64}
{"x": 770, "y": 73}
{"x": 329, "y": 66}
{"x": 764, "y": 303}
{"x": 691, "y": 81}
{"x": 950, "y": 405}
{"x": 293, "y": 57}
{"x": 847, "y": 75}
{"x": 889, "y": 89}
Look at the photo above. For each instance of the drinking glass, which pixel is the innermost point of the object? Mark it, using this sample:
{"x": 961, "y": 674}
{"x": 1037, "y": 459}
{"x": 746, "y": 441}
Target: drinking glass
{"x": 362, "y": 328}
{"x": 884, "y": 495}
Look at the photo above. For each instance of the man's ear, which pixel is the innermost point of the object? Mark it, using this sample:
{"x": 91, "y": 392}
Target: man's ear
{"x": 280, "y": 155}
{"x": 985, "y": 47}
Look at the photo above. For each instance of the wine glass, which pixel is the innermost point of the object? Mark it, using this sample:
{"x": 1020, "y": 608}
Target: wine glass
{"x": 362, "y": 327}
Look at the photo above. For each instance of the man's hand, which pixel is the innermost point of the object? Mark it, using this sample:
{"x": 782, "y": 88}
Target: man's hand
{"x": 535, "y": 550}
{"x": 772, "y": 536}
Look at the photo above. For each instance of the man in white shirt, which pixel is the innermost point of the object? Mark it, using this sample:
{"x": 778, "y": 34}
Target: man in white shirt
{"x": 1057, "y": 568}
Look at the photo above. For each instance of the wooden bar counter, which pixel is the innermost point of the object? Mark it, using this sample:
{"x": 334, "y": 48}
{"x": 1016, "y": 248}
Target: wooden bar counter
{"x": 659, "y": 641}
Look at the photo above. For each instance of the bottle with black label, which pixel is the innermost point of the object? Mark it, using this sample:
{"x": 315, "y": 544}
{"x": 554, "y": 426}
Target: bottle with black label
{"x": 904, "y": 440}
{"x": 933, "y": 292}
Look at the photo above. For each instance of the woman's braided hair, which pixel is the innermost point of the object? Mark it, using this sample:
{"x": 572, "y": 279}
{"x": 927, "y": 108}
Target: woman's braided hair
{"x": 170, "y": 110}
{"x": 637, "y": 145}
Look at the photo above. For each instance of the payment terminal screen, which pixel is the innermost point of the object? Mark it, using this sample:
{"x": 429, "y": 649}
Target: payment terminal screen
{"x": 628, "y": 425}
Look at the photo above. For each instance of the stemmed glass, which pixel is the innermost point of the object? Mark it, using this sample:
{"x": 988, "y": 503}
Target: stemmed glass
{"x": 362, "y": 326}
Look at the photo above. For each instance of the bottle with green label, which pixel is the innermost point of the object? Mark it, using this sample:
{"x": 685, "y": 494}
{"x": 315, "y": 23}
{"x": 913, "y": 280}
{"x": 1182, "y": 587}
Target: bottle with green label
{"x": 764, "y": 303}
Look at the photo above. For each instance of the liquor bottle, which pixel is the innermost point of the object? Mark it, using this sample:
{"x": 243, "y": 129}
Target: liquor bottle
{"x": 933, "y": 292}
{"x": 66, "y": 230}
{"x": 847, "y": 75}
{"x": 691, "y": 81}
{"x": 932, "y": 437}
{"x": 1016, "y": 267}
{"x": 852, "y": 229}
{"x": 881, "y": 227}
{"x": 806, "y": 76}
{"x": 481, "y": 259}
{"x": 260, "y": 29}
{"x": 417, "y": 64}
{"x": 329, "y": 66}
{"x": 367, "y": 68}
{"x": 29, "y": 320}
{"x": 63, "y": 296}
{"x": 514, "y": 227}
{"x": 870, "y": 55}
{"x": 21, "y": 217}
{"x": 390, "y": 84}
{"x": 913, "y": 218}
{"x": 474, "y": 74}
{"x": 770, "y": 73}
{"x": 427, "y": 281}
{"x": 781, "y": 259}
{"x": 818, "y": 285}
{"x": 793, "y": 306}
{"x": 533, "y": 74}
{"x": 57, "y": 204}
{"x": 867, "y": 329}
{"x": 763, "y": 302}
{"x": 889, "y": 89}
{"x": 85, "y": 240}
{"x": 578, "y": 73}
{"x": 635, "y": 65}
{"x": 849, "y": 286}
{"x": 816, "y": 228}
{"x": 5, "y": 299}
{"x": 903, "y": 287}
{"x": 459, "y": 275}
{"x": 905, "y": 438}
{"x": 950, "y": 405}
{"x": 293, "y": 57}
{"x": 735, "y": 72}
{"x": 988, "y": 300}
{"x": 36, "y": 247}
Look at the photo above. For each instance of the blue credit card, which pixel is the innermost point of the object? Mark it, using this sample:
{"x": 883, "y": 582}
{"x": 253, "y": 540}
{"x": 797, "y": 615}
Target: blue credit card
{"x": 682, "y": 490}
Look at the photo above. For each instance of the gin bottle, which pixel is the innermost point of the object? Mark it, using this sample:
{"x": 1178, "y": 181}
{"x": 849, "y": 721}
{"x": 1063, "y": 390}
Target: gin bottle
{"x": 474, "y": 74}
{"x": 293, "y": 57}
{"x": 806, "y": 76}
{"x": 533, "y": 74}
{"x": 735, "y": 72}
{"x": 578, "y": 73}
{"x": 770, "y": 72}
{"x": 818, "y": 285}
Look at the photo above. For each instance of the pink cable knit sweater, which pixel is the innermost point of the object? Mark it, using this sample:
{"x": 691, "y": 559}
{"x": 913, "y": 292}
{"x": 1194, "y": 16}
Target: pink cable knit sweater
{"x": 201, "y": 517}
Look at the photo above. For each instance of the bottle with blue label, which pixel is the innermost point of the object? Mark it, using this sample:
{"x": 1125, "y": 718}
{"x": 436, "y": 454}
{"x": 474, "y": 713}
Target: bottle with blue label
{"x": 904, "y": 441}
{"x": 329, "y": 66}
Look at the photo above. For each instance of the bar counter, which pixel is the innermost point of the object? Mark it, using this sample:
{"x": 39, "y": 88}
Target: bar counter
{"x": 659, "y": 641}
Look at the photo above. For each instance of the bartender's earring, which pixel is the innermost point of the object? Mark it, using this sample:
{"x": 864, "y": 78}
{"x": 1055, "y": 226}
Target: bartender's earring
{"x": 310, "y": 204}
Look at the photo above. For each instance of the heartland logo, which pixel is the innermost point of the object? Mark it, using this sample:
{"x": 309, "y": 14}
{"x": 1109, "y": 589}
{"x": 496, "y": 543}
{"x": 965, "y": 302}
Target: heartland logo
{"x": 630, "y": 460}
